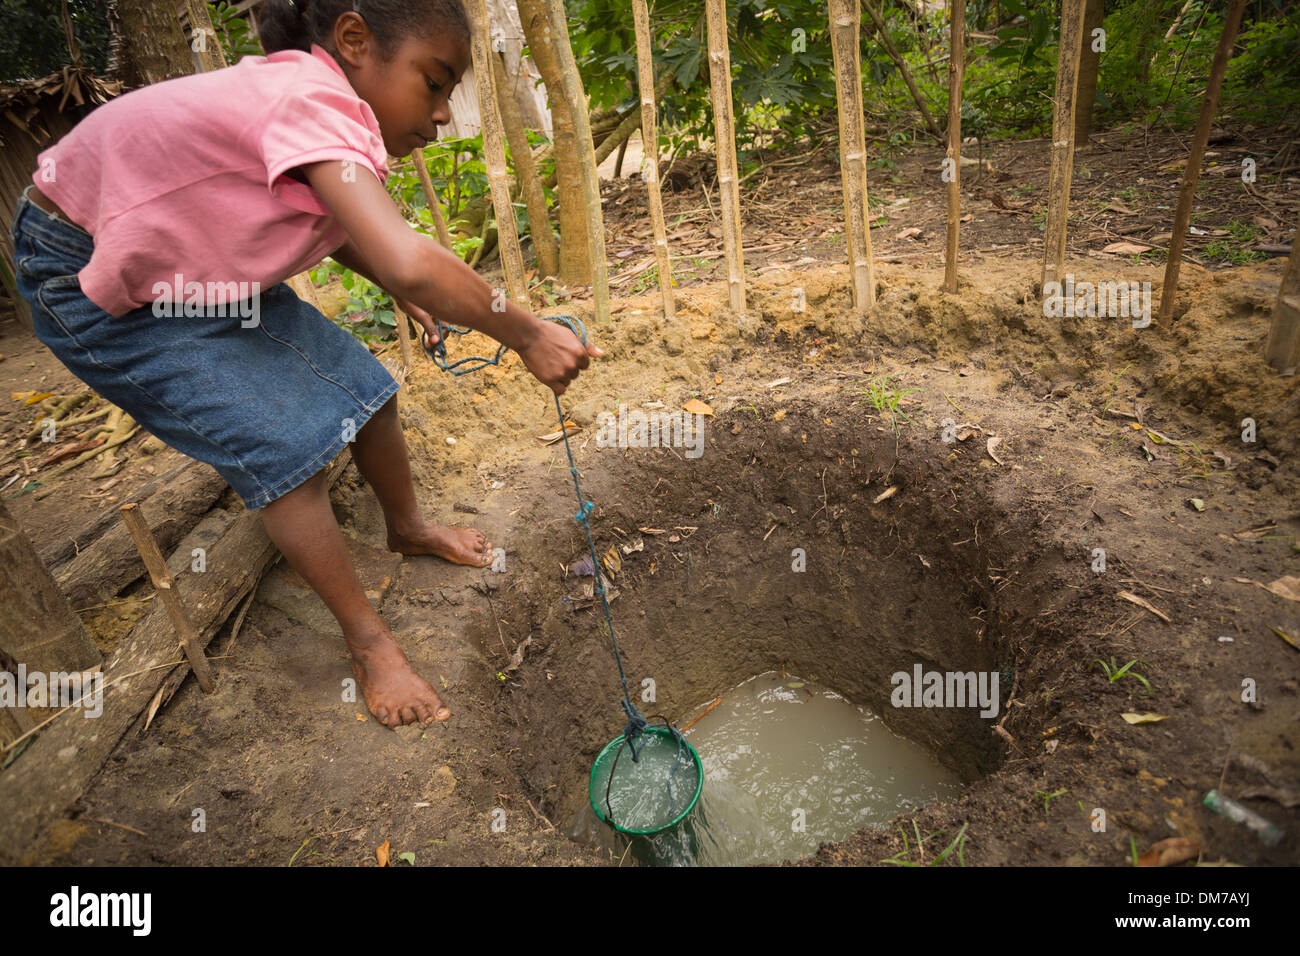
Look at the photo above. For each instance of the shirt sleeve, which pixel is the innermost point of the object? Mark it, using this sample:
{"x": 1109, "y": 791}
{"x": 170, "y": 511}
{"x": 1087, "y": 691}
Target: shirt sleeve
{"x": 314, "y": 123}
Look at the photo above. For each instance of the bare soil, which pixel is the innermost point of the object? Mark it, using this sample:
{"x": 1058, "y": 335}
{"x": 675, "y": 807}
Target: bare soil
{"x": 981, "y": 558}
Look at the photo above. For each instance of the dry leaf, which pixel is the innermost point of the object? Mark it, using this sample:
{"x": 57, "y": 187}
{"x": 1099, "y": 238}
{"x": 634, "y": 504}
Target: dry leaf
{"x": 613, "y": 563}
{"x": 1126, "y": 248}
{"x": 887, "y": 493}
{"x": 697, "y": 407}
{"x": 38, "y": 397}
{"x": 1144, "y": 603}
{"x": 552, "y": 437}
{"x": 1147, "y": 718}
{"x": 780, "y": 414}
{"x": 1287, "y": 587}
{"x": 381, "y": 854}
{"x": 1170, "y": 852}
{"x": 993, "y": 443}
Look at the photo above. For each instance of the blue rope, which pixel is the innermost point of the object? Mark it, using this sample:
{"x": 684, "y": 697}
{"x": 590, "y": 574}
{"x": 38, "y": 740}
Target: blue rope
{"x": 636, "y": 722}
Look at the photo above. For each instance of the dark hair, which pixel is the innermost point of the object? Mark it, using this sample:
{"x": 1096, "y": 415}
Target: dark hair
{"x": 296, "y": 26}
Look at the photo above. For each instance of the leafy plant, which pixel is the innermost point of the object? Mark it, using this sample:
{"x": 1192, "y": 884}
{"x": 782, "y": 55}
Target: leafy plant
{"x": 1047, "y": 798}
{"x": 1115, "y": 673}
{"x": 885, "y": 399}
{"x": 957, "y": 845}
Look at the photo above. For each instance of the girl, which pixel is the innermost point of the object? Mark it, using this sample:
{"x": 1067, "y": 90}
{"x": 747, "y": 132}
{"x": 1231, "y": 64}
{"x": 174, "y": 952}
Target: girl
{"x": 153, "y": 245}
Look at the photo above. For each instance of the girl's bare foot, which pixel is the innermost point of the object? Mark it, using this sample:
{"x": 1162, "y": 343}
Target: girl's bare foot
{"x": 394, "y": 693}
{"x": 454, "y": 544}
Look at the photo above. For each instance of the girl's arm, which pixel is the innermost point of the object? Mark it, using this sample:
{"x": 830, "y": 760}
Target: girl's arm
{"x": 414, "y": 267}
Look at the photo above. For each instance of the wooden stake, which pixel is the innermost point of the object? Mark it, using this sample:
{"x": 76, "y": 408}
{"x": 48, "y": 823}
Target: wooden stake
{"x": 724, "y": 144}
{"x": 1192, "y": 172}
{"x": 162, "y": 581}
{"x": 494, "y": 149}
{"x": 846, "y": 30}
{"x": 404, "y": 334}
{"x": 1283, "y": 349}
{"x": 650, "y": 146}
{"x": 1058, "y": 189}
{"x": 431, "y": 198}
{"x": 586, "y": 155}
{"x": 956, "y": 68}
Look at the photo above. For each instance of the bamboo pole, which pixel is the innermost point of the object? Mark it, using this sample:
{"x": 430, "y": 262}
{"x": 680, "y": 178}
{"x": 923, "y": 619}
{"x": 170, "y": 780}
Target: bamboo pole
{"x": 530, "y": 187}
{"x": 724, "y": 143}
{"x": 494, "y": 149}
{"x": 1192, "y": 171}
{"x": 1058, "y": 189}
{"x": 431, "y": 198}
{"x": 956, "y": 68}
{"x": 586, "y": 155}
{"x": 650, "y": 146}
{"x": 1283, "y": 349}
{"x": 163, "y": 582}
{"x": 846, "y": 29}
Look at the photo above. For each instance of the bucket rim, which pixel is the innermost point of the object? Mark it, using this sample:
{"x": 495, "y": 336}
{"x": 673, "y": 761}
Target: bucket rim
{"x": 699, "y": 785}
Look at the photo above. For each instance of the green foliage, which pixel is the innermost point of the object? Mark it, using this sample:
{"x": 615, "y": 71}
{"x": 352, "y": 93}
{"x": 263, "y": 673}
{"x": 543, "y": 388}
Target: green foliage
{"x": 32, "y": 43}
{"x": 781, "y": 64}
{"x": 236, "y": 37}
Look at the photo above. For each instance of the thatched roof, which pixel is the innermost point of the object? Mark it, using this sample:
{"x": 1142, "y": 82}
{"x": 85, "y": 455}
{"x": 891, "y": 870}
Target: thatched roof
{"x": 23, "y": 102}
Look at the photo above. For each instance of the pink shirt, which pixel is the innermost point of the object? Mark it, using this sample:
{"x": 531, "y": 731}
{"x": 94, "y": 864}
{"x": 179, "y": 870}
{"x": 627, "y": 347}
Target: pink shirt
{"x": 186, "y": 177}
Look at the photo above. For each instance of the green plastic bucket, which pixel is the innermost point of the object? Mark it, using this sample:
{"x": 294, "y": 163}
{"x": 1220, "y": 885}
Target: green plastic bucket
{"x": 630, "y": 777}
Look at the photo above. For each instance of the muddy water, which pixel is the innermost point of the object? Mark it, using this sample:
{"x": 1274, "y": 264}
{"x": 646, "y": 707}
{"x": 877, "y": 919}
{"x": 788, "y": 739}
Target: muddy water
{"x": 788, "y": 765}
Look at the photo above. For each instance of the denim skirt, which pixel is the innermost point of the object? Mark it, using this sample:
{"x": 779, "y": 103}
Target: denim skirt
{"x": 267, "y": 391}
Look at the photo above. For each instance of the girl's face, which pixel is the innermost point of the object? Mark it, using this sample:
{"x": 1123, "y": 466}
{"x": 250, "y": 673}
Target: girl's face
{"x": 410, "y": 93}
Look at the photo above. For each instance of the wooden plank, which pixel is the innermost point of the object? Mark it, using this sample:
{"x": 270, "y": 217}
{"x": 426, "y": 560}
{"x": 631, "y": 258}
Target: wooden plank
{"x": 37, "y": 627}
{"x": 110, "y": 563}
{"x": 56, "y": 768}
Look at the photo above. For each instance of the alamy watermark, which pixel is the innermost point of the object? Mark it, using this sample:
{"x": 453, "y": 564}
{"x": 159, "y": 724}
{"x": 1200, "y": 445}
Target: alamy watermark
{"x": 946, "y": 689}
{"x": 1111, "y": 300}
{"x": 220, "y": 299}
{"x": 53, "y": 689}
{"x": 654, "y": 429}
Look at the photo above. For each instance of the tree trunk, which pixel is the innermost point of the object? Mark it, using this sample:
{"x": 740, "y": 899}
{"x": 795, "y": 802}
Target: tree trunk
{"x": 539, "y": 220}
{"x": 148, "y": 42}
{"x": 575, "y": 259}
{"x": 1089, "y": 62}
{"x": 589, "y": 176}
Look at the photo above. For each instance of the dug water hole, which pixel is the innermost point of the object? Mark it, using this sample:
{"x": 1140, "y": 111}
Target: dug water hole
{"x": 788, "y": 765}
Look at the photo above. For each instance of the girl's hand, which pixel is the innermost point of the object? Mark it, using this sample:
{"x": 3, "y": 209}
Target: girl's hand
{"x": 422, "y": 318}
{"x": 555, "y": 355}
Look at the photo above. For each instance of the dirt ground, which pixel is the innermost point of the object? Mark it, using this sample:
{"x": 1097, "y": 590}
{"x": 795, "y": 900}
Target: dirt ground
{"x": 1068, "y": 435}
